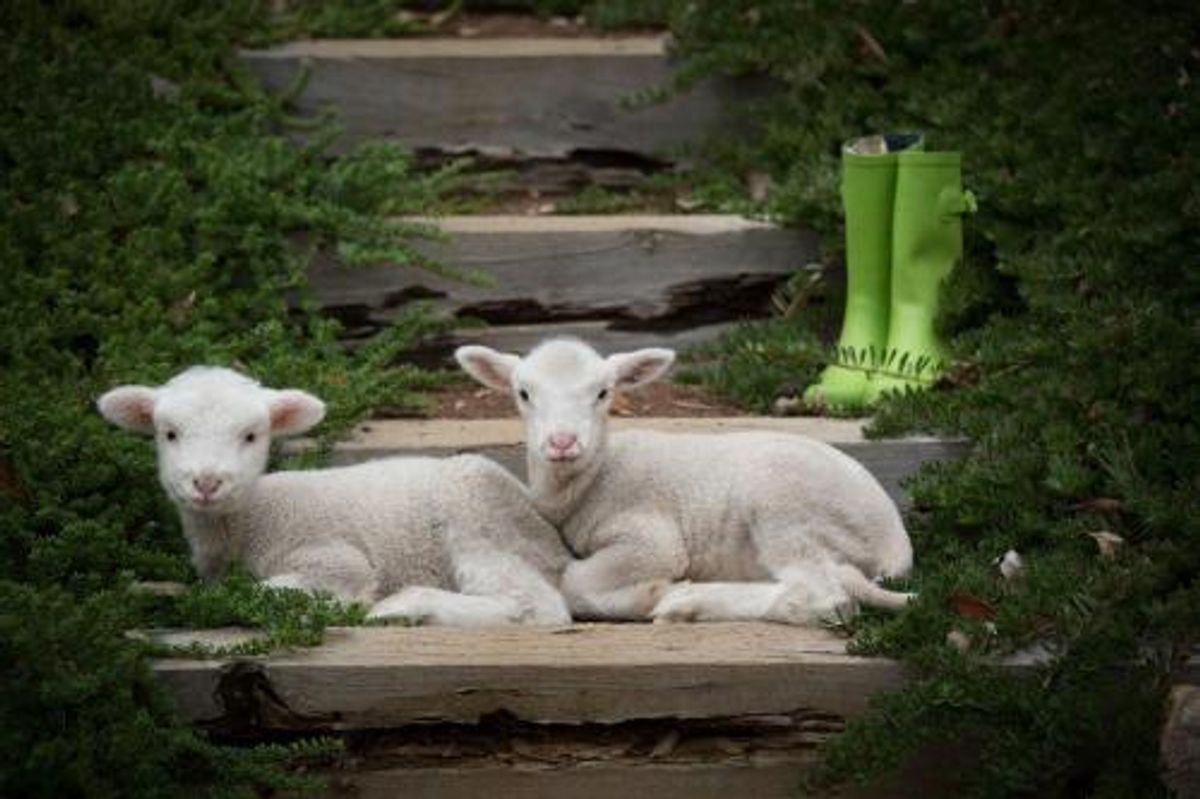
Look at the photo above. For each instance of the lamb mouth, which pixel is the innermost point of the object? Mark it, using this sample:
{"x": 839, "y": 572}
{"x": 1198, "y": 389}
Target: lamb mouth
{"x": 563, "y": 457}
{"x": 201, "y": 504}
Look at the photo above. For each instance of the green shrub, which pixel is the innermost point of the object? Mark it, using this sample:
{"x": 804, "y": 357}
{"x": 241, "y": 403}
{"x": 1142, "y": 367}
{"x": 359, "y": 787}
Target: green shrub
{"x": 154, "y": 217}
{"x": 1073, "y": 323}
{"x": 83, "y": 717}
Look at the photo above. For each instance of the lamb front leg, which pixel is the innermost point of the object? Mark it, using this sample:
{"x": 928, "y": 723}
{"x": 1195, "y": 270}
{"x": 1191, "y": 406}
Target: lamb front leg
{"x": 501, "y": 575}
{"x": 427, "y": 605}
{"x": 623, "y": 581}
{"x": 337, "y": 569}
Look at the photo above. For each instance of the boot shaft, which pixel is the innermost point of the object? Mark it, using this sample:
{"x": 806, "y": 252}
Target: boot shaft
{"x": 868, "y": 188}
{"x": 926, "y": 245}
{"x": 926, "y": 226}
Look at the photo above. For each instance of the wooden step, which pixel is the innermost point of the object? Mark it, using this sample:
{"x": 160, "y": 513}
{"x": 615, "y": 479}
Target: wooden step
{"x": 543, "y": 97}
{"x": 892, "y": 461}
{"x": 621, "y": 281}
{"x": 382, "y": 677}
{"x": 690, "y": 711}
{"x": 706, "y": 710}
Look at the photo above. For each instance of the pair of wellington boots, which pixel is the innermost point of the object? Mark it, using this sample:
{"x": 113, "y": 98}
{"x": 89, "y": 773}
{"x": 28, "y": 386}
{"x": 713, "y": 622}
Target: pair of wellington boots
{"x": 903, "y": 210}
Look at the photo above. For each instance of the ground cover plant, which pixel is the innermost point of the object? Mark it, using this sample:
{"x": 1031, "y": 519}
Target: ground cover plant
{"x": 148, "y": 210}
{"x": 1074, "y": 328}
{"x": 154, "y": 216}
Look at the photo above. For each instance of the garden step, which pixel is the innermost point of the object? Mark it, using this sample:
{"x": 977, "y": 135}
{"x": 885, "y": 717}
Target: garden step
{"x": 708, "y": 710}
{"x": 545, "y": 97}
{"x": 381, "y": 677}
{"x": 890, "y": 460}
{"x": 621, "y": 281}
{"x": 733, "y": 709}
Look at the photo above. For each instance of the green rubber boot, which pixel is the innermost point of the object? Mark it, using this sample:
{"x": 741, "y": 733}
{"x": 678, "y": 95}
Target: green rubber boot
{"x": 926, "y": 244}
{"x": 868, "y": 188}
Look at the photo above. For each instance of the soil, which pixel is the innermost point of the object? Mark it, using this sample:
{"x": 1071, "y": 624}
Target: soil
{"x": 470, "y": 401}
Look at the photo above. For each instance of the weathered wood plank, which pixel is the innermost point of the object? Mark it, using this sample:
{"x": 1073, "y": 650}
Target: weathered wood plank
{"x": 639, "y": 271}
{"x": 745, "y": 756}
{"x": 542, "y": 97}
{"x": 892, "y": 461}
{"x": 388, "y": 677}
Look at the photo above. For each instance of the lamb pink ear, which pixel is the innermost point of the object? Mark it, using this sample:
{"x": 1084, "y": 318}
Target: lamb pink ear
{"x": 294, "y": 412}
{"x": 130, "y": 407}
{"x": 493, "y": 369}
{"x": 641, "y": 366}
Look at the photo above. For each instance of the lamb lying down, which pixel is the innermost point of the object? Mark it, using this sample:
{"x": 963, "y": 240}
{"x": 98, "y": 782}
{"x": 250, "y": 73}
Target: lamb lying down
{"x": 447, "y": 541}
{"x": 766, "y": 526}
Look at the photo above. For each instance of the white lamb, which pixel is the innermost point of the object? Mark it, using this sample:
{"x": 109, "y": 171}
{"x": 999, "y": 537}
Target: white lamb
{"x": 447, "y": 541}
{"x": 767, "y": 526}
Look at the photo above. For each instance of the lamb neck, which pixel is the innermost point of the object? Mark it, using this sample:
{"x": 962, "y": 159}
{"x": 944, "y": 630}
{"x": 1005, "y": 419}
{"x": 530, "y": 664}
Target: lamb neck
{"x": 558, "y": 493}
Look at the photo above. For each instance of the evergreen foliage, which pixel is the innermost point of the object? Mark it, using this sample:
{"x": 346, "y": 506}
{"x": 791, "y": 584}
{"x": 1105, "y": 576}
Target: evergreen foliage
{"x": 154, "y": 217}
{"x": 1073, "y": 322}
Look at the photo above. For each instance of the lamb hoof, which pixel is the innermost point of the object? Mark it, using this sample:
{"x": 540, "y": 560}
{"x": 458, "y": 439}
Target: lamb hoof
{"x": 394, "y": 610}
{"x": 681, "y": 604}
{"x": 836, "y": 614}
{"x": 799, "y": 607}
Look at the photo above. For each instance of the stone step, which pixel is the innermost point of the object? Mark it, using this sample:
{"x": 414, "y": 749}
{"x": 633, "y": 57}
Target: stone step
{"x": 543, "y": 97}
{"x": 621, "y": 281}
{"x": 892, "y": 461}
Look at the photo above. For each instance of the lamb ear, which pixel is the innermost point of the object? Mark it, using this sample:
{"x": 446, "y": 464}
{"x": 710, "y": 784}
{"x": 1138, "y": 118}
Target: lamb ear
{"x": 493, "y": 369}
{"x": 130, "y": 407}
{"x": 294, "y": 412}
{"x": 641, "y": 366}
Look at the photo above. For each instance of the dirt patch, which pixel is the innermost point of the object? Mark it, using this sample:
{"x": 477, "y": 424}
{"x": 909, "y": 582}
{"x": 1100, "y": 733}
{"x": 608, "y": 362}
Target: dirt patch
{"x": 469, "y": 401}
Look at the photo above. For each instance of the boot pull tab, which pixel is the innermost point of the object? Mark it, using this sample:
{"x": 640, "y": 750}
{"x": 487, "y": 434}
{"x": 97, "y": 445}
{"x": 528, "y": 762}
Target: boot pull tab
{"x": 956, "y": 202}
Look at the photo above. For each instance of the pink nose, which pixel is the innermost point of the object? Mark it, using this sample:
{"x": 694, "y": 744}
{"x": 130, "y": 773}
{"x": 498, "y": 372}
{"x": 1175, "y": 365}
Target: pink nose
{"x": 207, "y": 484}
{"x": 563, "y": 441}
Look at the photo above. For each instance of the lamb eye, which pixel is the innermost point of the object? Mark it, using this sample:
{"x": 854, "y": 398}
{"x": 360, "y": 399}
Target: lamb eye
{"x": 171, "y": 435}
{"x": 603, "y": 395}
{"x": 250, "y": 438}
{"x": 524, "y": 395}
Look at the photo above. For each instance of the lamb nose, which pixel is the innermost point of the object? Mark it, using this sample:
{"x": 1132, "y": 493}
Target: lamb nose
{"x": 562, "y": 441}
{"x": 207, "y": 484}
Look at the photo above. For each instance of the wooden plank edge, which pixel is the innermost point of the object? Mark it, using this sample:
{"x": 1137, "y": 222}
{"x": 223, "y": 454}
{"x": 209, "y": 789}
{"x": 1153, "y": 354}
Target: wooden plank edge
{"x": 366, "y": 678}
{"x": 524, "y": 224}
{"x": 654, "y": 46}
{"x": 375, "y": 678}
